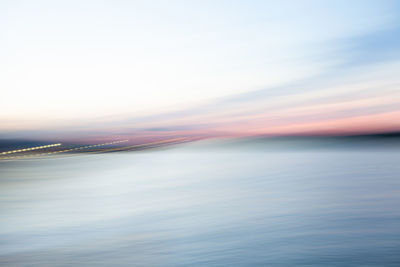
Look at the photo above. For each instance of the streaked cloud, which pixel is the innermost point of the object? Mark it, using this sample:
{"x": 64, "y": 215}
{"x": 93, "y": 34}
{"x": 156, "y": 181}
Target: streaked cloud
{"x": 198, "y": 68}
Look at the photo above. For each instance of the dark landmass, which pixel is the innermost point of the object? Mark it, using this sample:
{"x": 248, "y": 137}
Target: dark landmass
{"x": 390, "y": 140}
{"x": 300, "y": 143}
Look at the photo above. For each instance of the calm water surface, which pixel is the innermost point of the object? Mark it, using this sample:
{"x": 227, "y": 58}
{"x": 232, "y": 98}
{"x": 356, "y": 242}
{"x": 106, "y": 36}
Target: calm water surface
{"x": 191, "y": 207}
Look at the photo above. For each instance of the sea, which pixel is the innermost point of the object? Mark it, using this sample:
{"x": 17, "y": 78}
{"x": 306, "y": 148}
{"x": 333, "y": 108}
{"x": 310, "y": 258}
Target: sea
{"x": 231, "y": 203}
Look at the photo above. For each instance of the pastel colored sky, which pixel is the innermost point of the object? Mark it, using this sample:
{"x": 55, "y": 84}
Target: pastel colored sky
{"x": 194, "y": 67}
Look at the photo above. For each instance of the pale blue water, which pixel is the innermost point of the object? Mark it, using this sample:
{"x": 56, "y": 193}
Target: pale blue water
{"x": 207, "y": 207}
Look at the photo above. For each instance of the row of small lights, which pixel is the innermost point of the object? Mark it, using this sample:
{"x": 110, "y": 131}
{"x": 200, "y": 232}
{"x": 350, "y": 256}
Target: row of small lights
{"x": 62, "y": 151}
{"x": 83, "y": 147}
{"x": 29, "y": 149}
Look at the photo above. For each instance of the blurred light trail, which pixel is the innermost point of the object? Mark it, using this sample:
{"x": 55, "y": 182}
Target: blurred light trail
{"x": 29, "y": 149}
{"x": 65, "y": 150}
{"x": 169, "y": 141}
{"x": 90, "y": 146}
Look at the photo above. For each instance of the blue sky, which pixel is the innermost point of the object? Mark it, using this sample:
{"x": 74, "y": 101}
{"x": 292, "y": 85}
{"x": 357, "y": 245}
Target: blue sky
{"x": 70, "y": 62}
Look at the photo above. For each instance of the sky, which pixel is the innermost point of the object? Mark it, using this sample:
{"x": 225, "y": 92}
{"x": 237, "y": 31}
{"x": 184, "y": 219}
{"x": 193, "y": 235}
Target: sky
{"x": 87, "y": 68}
